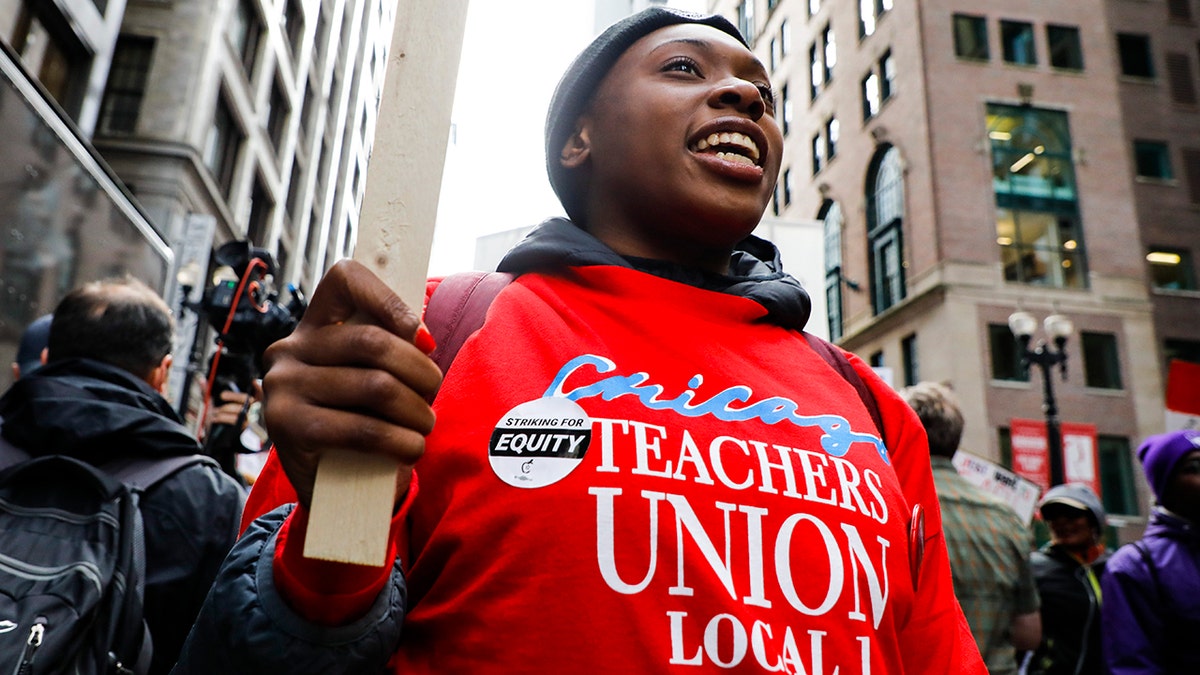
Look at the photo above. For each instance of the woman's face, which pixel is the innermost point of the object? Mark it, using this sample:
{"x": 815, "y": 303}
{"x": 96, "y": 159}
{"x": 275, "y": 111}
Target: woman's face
{"x": 680, "y": 147}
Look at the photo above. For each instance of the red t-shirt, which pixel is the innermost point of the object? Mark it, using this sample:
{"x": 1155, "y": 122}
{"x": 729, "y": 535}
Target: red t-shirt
{"x": 634, "y": 474}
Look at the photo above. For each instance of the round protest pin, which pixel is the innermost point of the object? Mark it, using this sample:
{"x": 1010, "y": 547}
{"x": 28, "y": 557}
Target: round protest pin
{"x": 539, "y": 442}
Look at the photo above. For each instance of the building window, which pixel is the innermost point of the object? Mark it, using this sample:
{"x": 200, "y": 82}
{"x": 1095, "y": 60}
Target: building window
{"x": 1004, "y": 439}
{"x": 814, "y": 6}
{"x": 1171, "y": 269}
{"x": 245, "y": 33}
{"x": 1191, "y": 172}
{"x": 816, "y": 71}
{"x": 745, "y": 19}
{"x": 786, "y": 117}
{"x": 1037, "y": 213}
{"x": 870, "y": 95}
{"x": 875, "y": 360}
{"x": 970, "y": 37}
{"x": 1180, "y": 10}
{"x": 831, "y": 215}
{"x": 785, "y": 38}
{"x": 1116, "y": 475}
{"x": 1152, "y": 159}
{"x": 1101, "y": 366}
{"x": 126, "y": 84}
{"x": 1066, "y": 52}
{"x": 313, "y": 248}
{"x": 51, "y": 51}
{"x": 832, "y": 131}
{"x": 1134, "y": 51}
{"x": 829, "y": 46}
{"x": 294, "y": 190}
{"x": 885, "y": 217}
{"x": 869, "y": 12}
{"x": 277, "y": 116}
{"x": 787, "y": 187}
{"x": 222, "y": 146}
{"x": 776, "y": 57}
{"x": 824, "y": 145}
{"x": 887, "y": 76}
{"x": 293, "y": 24}
{"x": 1006, "y": 354}
{"x": 908, "y": 352}
{"x": 1179, "y": 78}
{"x": 283, "y": 256}
{"x": 822, "y": 57}
{"x": 306, "y": 109}
{"x": 261, "y": 207}
{"x": 1017, "y": 39}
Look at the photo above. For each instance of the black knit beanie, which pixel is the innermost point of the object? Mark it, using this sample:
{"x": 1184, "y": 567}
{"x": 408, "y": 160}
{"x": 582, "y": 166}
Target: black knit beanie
{"x": 583, "y": 76}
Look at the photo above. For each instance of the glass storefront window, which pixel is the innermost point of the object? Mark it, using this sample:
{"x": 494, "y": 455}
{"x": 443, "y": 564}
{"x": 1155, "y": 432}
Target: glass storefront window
{"x": 66, "y": 219}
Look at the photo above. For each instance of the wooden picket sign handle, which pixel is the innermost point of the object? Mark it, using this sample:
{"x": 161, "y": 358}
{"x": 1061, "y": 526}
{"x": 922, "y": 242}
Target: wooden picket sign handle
{"x": 353, "y": 496}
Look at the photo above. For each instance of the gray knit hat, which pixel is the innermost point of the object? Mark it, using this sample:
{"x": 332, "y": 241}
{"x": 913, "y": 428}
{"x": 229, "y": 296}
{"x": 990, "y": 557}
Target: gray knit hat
{"x": 583, "y": 76}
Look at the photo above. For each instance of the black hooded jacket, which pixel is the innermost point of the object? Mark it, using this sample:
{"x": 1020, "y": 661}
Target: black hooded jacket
{"x": 98, "y": 413}
{"x": 755, "y": 269}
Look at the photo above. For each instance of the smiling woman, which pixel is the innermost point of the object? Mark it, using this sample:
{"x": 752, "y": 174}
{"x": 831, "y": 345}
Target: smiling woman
{"x": 639, "y": 427}
{"x": 635, "y": 129}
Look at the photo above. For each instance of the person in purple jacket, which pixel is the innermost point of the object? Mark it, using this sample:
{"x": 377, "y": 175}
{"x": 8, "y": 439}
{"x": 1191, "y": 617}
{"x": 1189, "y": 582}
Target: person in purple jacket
{"x": 1151, "y": 614}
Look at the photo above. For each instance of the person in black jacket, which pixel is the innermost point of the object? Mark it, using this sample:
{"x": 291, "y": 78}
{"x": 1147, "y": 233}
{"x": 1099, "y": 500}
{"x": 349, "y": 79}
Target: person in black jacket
{"x": 1068, "y": 571}
{"x": 98, "y": 399}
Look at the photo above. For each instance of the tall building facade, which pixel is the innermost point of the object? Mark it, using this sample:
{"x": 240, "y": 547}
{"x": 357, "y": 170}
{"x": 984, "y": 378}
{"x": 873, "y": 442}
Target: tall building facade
{"x": 972, "y": 159}
{"x": 218, "y": 121}
{"x": 260, "y": 113}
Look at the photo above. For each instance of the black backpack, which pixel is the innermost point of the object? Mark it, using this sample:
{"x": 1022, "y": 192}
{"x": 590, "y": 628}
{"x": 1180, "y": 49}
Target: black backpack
{"x": 72, "y": 563}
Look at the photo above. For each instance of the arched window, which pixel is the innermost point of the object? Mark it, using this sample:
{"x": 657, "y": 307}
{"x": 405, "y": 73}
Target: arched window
{"x": 885, "y": 218}
{"x": 831, "y": 215}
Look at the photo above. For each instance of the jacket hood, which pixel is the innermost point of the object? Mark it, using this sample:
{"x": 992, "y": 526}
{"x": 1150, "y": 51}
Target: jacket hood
{"x": 1078, "y": 496}
{"x": 91, "y": 411}
{"x": 1164, "y": 523}
{"x": 755, "y": 269}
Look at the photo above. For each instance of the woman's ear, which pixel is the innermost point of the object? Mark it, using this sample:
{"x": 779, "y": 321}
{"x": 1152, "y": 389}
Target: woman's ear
{"x": 578, "y": 147}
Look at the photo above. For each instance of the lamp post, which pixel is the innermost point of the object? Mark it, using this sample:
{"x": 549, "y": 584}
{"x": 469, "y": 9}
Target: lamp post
{"x": 1058, "y": 328}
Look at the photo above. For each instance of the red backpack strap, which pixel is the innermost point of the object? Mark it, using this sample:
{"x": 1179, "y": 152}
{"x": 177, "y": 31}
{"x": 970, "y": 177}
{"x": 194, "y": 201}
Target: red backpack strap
{"x": 456, "y": 309}
{"x": 836, "y": 358}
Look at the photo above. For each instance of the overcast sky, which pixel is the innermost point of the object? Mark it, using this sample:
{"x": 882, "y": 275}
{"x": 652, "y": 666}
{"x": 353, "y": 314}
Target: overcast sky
{"x": 495, "y": 177}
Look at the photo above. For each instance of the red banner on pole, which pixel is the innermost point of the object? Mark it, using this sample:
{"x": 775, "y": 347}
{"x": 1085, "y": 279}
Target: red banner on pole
{"x": 1030, "y": 451}
{"x": 1081, "y": 455}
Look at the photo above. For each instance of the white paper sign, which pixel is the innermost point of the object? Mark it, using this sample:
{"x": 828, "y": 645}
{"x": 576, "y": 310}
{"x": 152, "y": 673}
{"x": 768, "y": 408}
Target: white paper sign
{"x": 1022, "y": 495}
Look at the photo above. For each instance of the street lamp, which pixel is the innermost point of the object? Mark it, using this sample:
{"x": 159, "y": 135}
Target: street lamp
{"x": 1058, "y": 328}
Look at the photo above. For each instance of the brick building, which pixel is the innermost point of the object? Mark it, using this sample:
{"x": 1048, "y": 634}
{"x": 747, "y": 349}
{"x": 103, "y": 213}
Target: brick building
{"x": 972, "y": 159}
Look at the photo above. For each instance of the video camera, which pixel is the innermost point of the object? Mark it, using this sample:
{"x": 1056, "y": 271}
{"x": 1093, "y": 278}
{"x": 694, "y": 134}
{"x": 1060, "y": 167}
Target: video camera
{"x": 243, "y": 307}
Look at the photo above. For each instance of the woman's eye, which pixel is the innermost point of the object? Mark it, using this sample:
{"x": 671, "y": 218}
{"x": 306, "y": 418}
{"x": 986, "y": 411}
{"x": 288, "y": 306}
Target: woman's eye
{"x": 682, "y": 65}
{"x": 767, "y": 93}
